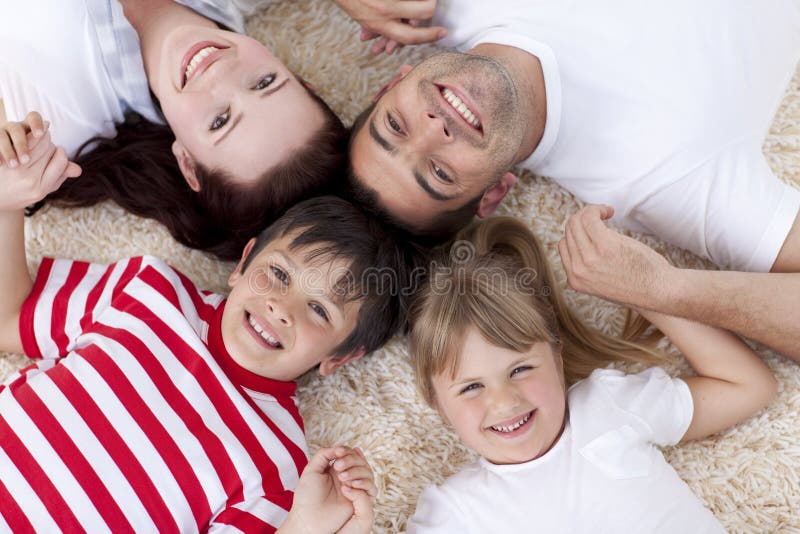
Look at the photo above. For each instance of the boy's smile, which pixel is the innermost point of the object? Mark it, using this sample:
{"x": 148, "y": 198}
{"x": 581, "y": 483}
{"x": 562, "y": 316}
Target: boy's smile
{"x": 283, "y": 316}
{"x": 509, "y": 407}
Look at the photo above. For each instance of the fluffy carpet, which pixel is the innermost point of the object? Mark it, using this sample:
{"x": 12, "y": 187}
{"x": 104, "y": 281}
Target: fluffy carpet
{"x": 748, "y": 476}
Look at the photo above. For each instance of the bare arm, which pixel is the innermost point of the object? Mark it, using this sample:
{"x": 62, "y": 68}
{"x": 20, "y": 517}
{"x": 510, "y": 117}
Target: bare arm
{"x": 761, "y": 306}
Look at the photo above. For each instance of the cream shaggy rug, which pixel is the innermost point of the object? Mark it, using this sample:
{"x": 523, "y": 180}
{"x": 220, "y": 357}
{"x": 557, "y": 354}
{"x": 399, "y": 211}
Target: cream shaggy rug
{"x": 749, "y": 476}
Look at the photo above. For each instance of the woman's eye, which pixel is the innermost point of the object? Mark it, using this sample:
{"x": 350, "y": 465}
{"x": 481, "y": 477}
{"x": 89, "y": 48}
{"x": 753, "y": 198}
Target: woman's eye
{"x": 265, "y": 82}
{"x": 471, "y": 387}
{"x": 393, "y": 124}
{"x": 319, "y": 310}
{"x": 441, "y": 174}
{"x": 280, "y": 274}
{"x": 220, "y": 120}
{"x": 521, "y": 369}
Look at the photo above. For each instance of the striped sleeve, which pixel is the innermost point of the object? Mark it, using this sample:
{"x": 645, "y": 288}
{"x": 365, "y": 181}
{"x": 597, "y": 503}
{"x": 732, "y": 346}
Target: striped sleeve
{"x": 66, "y": 299}
{"x": 263, "y": 514}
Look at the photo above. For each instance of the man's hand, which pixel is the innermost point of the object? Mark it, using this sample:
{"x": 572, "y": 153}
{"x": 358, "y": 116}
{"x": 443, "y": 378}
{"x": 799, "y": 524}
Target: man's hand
{"x": 602, "y": 262}
{"x": 334, "y": 494}
{"x": 393, "y": 22}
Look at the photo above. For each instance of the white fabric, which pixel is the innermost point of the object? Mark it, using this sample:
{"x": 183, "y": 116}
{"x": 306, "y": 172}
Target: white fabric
{"x": 605, "y": 473}
{"x": 643, "y": 96}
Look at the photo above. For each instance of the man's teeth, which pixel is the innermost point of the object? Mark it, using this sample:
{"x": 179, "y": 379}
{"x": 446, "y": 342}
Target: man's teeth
{"x": 460, "y": 107}
{"x": 198, "y": 57}
{"x": 513, "y": 427}
{"x": 268, "y": 338}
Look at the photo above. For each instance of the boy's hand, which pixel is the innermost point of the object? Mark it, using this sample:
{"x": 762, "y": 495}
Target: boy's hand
{"x": 334, "y": 492}
{"x": 15, "y": 143}
{"x": 42, "y": 170}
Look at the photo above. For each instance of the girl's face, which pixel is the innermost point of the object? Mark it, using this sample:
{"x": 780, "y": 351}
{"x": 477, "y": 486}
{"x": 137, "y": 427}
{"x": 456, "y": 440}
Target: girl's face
{"x": 231, "y": 104}
{"x": 507, "y": 406}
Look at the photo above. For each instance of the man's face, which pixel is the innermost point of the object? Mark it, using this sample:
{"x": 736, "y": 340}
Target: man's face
{"x": 283, "y": 315}
{"x": 442, "y": 135}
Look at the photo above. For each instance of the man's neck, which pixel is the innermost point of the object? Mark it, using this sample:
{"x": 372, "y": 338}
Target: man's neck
{"x": 153, "y": 20}
{"x": 526, "y": 72}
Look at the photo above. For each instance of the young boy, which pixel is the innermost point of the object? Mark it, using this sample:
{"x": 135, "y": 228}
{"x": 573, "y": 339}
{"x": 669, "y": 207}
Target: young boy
{"x": 154, "y": 406}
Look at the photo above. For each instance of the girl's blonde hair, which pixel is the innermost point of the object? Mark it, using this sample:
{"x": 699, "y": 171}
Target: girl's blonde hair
{"x": 496, "y": 278}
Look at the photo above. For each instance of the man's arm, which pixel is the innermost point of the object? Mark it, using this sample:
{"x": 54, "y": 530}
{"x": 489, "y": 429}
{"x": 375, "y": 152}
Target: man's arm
{"x": 762, "y": 306}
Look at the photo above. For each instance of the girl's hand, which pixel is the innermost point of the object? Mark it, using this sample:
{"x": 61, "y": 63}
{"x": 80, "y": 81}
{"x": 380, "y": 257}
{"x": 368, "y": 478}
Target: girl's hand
{"x": 15, "y": 141}
{"x": 46, "y": 169}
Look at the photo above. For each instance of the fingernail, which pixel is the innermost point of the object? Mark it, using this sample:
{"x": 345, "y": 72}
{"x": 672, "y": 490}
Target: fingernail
{"x": 38, "y": 133}
{"x": 13, "y": 163}
{"x": 442, "y": 33}
{"x": 25, "y": 159}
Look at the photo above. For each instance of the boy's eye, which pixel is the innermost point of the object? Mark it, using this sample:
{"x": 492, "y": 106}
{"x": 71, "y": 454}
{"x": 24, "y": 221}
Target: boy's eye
{"x": 220, "y": 120}
{"x": 470, "y": 387}
{"x": 441, "y": 174}
{"x": 319, "y": 310}
{"x": 520, "y": 369}
{"x": 393, "y": 124}
{"x": 265, "y": 82}
{"x": 280, "y": 274}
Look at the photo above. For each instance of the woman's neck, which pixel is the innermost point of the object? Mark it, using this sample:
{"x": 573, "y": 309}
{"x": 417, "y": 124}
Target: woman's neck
{"x": 153, "y": 20}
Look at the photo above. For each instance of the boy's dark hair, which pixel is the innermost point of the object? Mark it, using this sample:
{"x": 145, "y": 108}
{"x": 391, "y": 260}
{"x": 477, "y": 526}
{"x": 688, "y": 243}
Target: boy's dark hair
{"x": 137, "y": 170}
{"x": 379, "y": 269}
{"x": 440, "y": 230}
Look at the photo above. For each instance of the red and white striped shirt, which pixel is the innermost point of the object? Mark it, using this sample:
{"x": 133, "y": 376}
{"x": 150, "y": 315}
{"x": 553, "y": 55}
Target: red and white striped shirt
{"x": 135, "y": 418}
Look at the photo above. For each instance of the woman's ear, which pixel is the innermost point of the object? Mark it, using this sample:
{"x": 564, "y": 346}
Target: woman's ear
{"x": 186, "y": 164}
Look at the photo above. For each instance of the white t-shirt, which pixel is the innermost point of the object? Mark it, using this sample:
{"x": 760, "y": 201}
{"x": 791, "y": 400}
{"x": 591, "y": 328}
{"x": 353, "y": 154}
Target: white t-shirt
{"x": 605, "y": 473}
{"x": 642, "y": 96}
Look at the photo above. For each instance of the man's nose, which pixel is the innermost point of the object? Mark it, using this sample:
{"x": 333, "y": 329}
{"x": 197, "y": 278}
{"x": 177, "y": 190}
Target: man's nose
{"x": 434, "y": 130}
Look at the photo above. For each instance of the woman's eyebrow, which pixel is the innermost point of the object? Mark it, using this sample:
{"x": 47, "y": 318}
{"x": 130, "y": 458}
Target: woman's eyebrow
{"x": 266, "y": 92}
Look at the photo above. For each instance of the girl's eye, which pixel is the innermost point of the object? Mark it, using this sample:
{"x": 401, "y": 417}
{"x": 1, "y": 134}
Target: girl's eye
{"x": 319, "y": 310}
{"x": 441, "y": 174}
{"x": 265, "y": 82}
{"x": 393, "y": 124}
{"x": 521, "y": 369}
{"x": 220, "y": 120}
{"x": 470, "y": 387}
{"x": 280, "y": 274}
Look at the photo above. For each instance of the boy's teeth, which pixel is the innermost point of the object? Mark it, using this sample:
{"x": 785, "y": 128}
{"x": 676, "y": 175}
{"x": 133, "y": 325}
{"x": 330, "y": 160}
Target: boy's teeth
{"x": 460, "y": 107}
{"x": 198, "y": 57}
{"x": 268, "y": 338}
{"x": 513, "y": 427}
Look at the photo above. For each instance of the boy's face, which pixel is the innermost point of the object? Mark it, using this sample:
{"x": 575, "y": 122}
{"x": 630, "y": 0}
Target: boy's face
{"x": 507, "y": 406}
{"x": 282, "y": 316}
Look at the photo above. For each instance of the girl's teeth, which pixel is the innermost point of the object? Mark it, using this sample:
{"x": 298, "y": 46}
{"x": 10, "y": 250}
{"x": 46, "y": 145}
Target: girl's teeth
{"x": 513, "y": 427}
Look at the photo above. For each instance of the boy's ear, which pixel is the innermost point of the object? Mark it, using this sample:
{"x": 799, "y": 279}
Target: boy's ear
{"x": 186, "y": 165}
{"x": 401, "y": 73}
{"x": 493, "y": 196}
{"x": 329, "y": 365}
{"x": 237, "y": 272}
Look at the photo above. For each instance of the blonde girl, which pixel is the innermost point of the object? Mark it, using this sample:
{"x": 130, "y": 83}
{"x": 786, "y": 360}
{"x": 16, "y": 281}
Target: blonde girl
{"x": 565, "y": 445}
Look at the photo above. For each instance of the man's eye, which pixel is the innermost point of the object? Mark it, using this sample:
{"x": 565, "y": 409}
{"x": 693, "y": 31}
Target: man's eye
{"x": 393, "y": 124}
{"x": 220, "y": 120}
{"x": 319, "y": 310}
{"x": 280, "y": 274}
{"x": 471, "y": 387}
{"x": 265, "y": 82}
{"x": 441, "y": 174}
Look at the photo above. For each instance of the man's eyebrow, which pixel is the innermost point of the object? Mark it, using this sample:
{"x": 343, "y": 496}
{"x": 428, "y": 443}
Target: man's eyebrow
{"x": 373, "y": 132}
{"x": 434, "y": 194}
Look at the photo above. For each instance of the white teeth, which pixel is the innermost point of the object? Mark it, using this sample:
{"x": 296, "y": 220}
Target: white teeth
{"x": 460, "y": 107}
{"x": 513, "y": 427}
{"x": 268, "y": 338}
{"x": 198, "y": 57}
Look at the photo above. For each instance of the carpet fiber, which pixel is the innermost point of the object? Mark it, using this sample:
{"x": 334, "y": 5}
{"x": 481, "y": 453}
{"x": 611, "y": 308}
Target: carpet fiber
{"x": 748, "y": 476}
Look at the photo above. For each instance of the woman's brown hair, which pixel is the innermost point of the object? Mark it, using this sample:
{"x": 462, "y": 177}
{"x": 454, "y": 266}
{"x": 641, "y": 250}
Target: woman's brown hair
{"x": 496, "y": 278}
{"x": 137, "y": 170}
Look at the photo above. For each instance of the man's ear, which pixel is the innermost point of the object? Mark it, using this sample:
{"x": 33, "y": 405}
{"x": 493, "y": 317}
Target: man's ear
{"x": 329, "y": 365}
{"x": 186, "y": 164}
{"x": 237, "y": 272}
{"x": 493, "y": 196}
{"x": 401, "y": 73}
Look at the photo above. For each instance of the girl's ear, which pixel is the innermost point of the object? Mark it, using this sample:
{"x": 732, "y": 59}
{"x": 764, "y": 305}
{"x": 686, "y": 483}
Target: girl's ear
{"x": 186, "y": 165}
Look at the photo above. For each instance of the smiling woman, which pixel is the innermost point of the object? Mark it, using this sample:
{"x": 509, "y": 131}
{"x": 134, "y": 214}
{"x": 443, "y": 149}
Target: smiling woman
{"x": 170, "y": 115}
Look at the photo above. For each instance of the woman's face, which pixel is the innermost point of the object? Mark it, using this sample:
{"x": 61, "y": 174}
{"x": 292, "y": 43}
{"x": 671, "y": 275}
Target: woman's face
{"x": 231, "y": 104}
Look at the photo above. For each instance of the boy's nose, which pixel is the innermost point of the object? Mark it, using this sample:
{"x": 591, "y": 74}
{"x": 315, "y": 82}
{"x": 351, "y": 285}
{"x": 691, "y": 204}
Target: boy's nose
{"x": 279, "y": 313}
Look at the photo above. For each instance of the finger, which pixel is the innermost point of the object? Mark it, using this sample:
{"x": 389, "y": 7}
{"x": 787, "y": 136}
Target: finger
{"x": 3, "y": 118}
{"x": 43, "y": 149}
{"x": 18, "y": 132}
{"x": 54, "y": 173}
{"x": 368, "y": 35}
{"x": 406, "y": 34}
{"x": 563, "y": 251}
{"x": 362, "y": 504}
{"x": 592, "y": 218}
{"x": 379, "y": 45}
{"x": 412, "y": 9}
{"x": 578, "y": 242}
{"x": 356, "y": 472}
{"x": 7, "y": 150}
{"x": 35, "y": 124}
{"x": 606, "y": 212}
{"x": 321, "y": 461}
{"x": 73, "y": 170}
{"x": 391, "y": 46}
